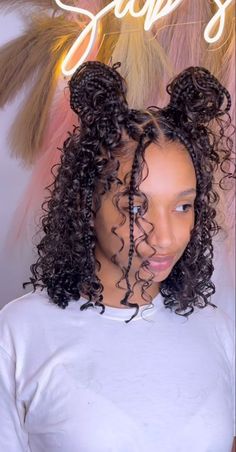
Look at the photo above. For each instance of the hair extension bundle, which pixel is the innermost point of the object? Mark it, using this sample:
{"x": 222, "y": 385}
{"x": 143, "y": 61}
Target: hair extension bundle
{"x": 150, "y": 58}
{"x": 217, "y": 54}
{"x": 227, "y": 67}
{"x": 228, "y": 78}
{"x": 220, "y": 58}
{"x": 143, "y": 63}
{"x": 111, "y": 26}
{"x": 181, "y": 34}
{"x": 39, "y": 51}
{"x": 48, "y": 4}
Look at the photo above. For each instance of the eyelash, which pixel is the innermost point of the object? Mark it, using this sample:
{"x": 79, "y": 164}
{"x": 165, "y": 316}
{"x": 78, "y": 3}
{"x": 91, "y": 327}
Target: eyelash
{"x": 189, "y": 206}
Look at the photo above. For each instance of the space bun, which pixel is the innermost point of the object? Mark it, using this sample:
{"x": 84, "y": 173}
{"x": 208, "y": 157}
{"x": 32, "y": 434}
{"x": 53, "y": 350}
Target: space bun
{"x": 97, "y": 93}
{"x": 197, "y": 96}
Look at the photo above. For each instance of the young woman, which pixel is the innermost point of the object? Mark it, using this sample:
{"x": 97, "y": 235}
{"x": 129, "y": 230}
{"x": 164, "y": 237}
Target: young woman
{"x": 121, "y": 347}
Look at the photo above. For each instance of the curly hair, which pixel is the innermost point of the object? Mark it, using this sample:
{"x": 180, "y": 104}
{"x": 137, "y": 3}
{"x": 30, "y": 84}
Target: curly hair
{"x": 66, "y": 264}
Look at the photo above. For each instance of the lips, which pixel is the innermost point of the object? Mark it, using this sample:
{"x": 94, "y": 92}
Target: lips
{"x": 160, "y": 263}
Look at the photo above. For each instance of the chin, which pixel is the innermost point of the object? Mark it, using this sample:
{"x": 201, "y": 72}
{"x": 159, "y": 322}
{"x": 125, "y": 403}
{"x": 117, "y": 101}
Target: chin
{"x": 161, "y": 275}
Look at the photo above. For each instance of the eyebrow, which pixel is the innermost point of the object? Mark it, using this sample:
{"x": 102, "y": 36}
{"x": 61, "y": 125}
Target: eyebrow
{"x": 190, "y": 191}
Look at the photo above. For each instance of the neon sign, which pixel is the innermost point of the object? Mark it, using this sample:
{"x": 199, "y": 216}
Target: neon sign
{"x": 152, "y": 10}
{"x": 219, "y": 16}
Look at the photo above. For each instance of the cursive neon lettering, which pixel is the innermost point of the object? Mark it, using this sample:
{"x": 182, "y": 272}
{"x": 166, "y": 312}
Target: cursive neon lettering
{"x": 219, "y": 16}
{"x": 153, "y": 10}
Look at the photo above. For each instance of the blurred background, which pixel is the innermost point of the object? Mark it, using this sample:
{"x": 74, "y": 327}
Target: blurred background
{"x": 14, "y": 177}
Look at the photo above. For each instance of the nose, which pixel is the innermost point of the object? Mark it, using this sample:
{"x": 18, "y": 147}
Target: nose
{"x": 162, "y": 237}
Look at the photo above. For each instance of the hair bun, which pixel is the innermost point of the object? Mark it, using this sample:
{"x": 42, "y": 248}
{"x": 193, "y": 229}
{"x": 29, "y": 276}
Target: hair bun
{"x": 198, "y": 95}
{"x": 97, "y": 91}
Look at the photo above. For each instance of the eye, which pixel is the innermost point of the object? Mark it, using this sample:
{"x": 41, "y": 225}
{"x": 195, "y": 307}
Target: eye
{"x": 186, "y": 208}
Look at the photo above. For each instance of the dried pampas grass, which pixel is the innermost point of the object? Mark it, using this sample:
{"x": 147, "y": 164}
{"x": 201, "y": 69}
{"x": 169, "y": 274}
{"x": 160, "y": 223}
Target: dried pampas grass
{"x": 93, "y": 6}
{"x": 14, "y": 4}
{"x": 40, "y": 50}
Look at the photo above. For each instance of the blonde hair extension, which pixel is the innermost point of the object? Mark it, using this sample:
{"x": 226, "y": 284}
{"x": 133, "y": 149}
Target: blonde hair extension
{"x": 228, "y": 78}
{"x": 52, "y": 38}
{"x": 143, "y": 62}
{"x": 111, "y": 26}
{"x": 182, "y": 34}
{"x": 220, "y": 59}
{"x": 218, "y": 54}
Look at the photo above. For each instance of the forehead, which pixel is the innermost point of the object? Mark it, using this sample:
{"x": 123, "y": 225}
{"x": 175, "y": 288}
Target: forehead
{"x": 169, "y": 165}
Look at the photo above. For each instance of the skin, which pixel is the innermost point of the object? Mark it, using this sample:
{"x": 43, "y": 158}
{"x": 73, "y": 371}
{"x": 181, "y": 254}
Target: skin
{"x": 171, "y": 172}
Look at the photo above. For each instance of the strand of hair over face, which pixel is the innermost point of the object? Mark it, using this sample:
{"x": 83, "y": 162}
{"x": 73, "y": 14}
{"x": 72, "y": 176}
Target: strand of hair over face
{"x": 90, "y": 161}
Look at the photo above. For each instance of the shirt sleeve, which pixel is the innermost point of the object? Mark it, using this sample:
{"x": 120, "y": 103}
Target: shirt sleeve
{"x": 12, "y": 436}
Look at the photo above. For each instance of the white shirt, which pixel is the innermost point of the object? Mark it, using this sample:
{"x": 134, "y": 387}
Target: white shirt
{"x": 78, "y": 381}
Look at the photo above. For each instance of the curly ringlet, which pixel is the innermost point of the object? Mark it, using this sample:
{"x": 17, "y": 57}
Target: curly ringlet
{"x": 198, "y": 96}
{"x": 66, "y": 265}
{"x": 97, "y": 94}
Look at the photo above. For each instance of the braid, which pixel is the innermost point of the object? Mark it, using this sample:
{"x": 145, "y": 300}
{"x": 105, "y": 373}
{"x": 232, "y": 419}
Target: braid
{"x": 124, "y": 301}
{"x": 66, "y": 265}
{"x": 88, "y": 217}
{"x": 202, "y": 233}
{"x": 188, "y": 145}
{"x": 196, "y": 96}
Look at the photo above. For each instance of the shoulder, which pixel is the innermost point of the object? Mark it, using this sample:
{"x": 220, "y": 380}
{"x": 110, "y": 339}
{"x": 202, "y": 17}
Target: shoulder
{"x": 221, "y": 326}
{"x": 29, "y": 318}
{"x": 26, "y": 305}
{"x": 222, "y": 322}
{"x": 23, "y": 317}
{"x": 33, "y": 308}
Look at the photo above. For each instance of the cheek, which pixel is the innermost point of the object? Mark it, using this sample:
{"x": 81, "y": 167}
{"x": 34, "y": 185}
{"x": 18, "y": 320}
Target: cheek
{"x": 102, "y": 227}
{"x": 183, "y": 231}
